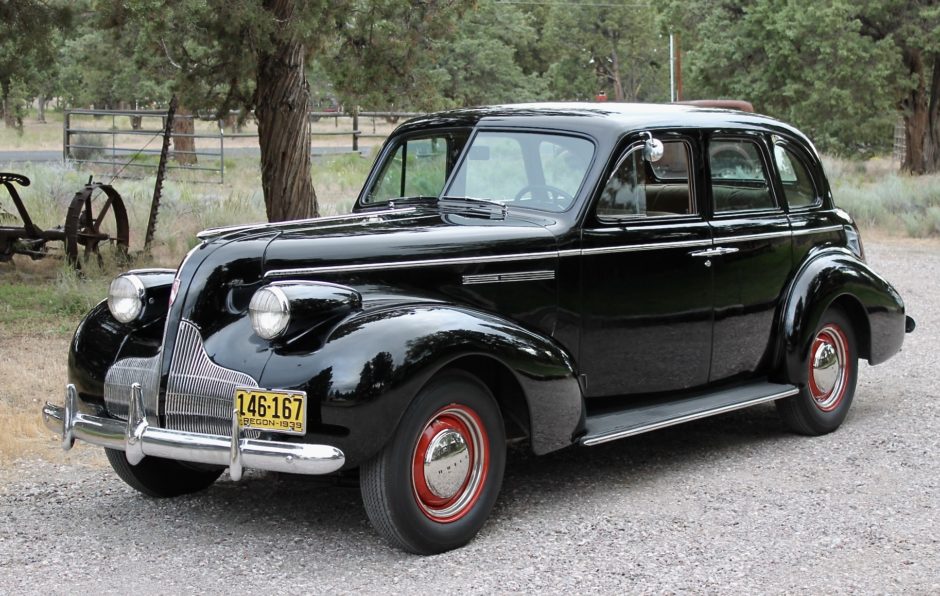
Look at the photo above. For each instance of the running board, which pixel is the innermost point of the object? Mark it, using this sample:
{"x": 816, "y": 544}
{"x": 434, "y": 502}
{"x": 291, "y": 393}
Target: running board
{"x": 634, "y": 421}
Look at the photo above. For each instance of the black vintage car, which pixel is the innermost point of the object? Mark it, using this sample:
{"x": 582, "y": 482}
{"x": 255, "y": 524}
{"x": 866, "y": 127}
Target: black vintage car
{"x": 563, "y": 274}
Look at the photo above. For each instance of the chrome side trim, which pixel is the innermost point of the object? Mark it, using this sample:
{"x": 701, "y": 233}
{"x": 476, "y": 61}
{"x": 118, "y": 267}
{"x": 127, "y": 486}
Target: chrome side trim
{"x": 750, "y": 237}
{"x": 601, "y": 250}
{"x": 687, "y": 418}
{"x": 137, "y": 438}
{"x": 300, "y": 271}
{"x": 213, "y": 232}
{"x": 824, "y": 229}
{"x": 494, "y": 278}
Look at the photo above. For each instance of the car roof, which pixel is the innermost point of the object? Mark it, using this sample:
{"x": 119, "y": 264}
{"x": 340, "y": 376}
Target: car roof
{"x": 607, "y": 116}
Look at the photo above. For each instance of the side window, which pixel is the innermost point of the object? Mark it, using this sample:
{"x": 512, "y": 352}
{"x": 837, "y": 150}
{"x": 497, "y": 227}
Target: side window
{"x": 795, "y": 178}
{"x": 739, "y": 181}
{"x": 418, "y": 168}
{"x": 638, "y": 188}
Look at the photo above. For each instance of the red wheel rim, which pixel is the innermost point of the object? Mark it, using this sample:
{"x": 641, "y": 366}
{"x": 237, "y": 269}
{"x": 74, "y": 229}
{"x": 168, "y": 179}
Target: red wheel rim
{"x": 450, "y": 464}
{"x": 829, "y": 368}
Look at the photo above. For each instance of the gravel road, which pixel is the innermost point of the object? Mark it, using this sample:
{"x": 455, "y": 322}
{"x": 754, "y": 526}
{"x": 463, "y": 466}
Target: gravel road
{"x": 732, "y": 504}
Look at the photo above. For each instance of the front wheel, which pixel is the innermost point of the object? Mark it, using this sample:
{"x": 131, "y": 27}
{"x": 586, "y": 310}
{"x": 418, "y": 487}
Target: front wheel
{"x": 433, "y": 486}
{"x": 161, "y": 478}
{"x": 831, "y": 370}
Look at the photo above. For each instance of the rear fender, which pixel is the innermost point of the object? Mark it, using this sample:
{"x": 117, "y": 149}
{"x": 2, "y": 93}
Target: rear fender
{"x": 372, "y": 365}
{"x": 836, "y": 277}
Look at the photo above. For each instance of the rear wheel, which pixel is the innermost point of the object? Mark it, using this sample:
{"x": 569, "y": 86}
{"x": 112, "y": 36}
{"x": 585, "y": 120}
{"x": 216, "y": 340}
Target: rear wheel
{"x": 433, "y": 486}
{"x": 161, "y": 478}
{"x": 831, "y": 370}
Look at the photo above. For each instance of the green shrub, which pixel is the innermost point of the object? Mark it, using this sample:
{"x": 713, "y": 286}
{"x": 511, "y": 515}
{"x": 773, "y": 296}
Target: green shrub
{"x": 84, "y": 147}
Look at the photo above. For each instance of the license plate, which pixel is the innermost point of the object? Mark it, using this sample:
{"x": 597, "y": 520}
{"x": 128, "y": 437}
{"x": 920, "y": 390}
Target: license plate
{"x": 272, "y": 410}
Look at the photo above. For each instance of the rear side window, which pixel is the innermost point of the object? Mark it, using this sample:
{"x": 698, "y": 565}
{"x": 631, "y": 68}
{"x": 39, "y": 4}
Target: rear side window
{"x": 638, "y": 188}
{"x": 795, "y": 179}
{"x": 739, "y": 180}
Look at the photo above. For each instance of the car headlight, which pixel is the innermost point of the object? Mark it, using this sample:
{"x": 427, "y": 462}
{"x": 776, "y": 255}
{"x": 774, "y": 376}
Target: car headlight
{"x": 269, "y": 311}
{"x": 126, "y": 298}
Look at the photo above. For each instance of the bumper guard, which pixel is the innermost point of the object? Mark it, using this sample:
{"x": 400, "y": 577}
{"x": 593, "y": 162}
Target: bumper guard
{"x": 138, "y": 439}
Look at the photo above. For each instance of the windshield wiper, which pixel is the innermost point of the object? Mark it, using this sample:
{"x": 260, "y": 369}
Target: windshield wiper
{"x": 472, "y": 206}
{"x": 398, "y": 201}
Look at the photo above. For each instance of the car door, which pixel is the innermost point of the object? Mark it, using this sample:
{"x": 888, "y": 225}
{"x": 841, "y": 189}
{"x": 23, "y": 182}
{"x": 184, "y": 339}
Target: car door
{"x": 752, "y": 253}
{"x": 646, "y": 302}
{"x": 802, "y": 185}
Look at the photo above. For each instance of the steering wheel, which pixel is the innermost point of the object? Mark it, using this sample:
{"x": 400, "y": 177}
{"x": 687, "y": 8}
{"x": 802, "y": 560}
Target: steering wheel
{"x": 553, "y": 194}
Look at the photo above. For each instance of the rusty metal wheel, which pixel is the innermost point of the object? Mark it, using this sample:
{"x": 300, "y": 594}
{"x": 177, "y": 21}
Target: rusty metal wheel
{"x": 96, "y": 218}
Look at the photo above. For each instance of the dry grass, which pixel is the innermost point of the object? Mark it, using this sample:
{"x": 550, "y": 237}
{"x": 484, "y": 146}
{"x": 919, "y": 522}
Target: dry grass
{"x": 40, "y": 305}
{"x": 880, "y": 198}
{"x": 189, "y": 204}
{"x": 41, "y": 302}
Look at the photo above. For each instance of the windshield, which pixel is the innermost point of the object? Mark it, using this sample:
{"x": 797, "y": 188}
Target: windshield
{"x": 417, "y": 167}
{"x": 523, "y": 169}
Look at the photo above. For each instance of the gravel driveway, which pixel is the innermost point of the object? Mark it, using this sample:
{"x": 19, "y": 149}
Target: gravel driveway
{"x": 732, "y": 504}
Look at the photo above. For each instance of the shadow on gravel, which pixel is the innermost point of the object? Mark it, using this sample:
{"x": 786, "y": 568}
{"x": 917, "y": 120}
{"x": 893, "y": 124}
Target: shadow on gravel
{"x": 269, "y": 506}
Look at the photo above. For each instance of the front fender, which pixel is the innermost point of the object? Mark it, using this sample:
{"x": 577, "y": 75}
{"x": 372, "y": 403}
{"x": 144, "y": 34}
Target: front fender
{"x": 837, "y": 275}
{"x": 99, "y": 341}
{"x": 372, "y": 365}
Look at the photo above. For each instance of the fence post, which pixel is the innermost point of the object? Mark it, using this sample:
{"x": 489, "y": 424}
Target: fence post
{"x": 355, "y": 133}
{"x": 113, "y": 152}
{"x": 66, "y": 137}
{"x": 221, "y": 153}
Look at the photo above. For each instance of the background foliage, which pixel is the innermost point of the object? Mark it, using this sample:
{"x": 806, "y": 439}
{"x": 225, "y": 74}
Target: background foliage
{"x": 840, "y": 70}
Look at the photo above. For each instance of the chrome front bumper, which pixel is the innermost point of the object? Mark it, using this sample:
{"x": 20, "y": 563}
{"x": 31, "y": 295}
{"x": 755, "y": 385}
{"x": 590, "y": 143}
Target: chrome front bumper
{"x": 138, "y": 439}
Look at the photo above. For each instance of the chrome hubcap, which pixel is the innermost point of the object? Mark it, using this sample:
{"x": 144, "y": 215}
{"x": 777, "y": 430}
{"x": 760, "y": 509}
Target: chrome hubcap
{"x": 826, "y": 367}
{"x": 450, "y": 464}
{"x": 828, "y": 371}
{"x": 447, "y": 463}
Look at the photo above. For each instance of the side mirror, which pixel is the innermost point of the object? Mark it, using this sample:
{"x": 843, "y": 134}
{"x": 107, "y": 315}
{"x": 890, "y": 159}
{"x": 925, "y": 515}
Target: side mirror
{"x": 653, "y": 150}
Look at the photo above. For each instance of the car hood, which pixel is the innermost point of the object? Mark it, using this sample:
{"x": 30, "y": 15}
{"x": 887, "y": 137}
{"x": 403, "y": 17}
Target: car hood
{"x": 420, "y": 252}
{"x": 399, "y": 240}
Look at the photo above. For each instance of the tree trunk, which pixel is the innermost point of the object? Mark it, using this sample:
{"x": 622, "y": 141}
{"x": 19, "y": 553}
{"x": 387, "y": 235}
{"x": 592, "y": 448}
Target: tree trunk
{"x": 41, "y": 108}
{"x": 615, "y": 76}
{"x": 932, "y": 148}
{"x": 231, "y": 123}
{"x": 281, "y": 105}
{"x": 921, "y": 111}
{"x": 9, "y": 118}
{"x": 184, "y": 146}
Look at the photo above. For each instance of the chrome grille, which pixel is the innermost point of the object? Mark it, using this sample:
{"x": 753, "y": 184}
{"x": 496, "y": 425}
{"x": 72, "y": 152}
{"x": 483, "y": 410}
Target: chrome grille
{"x": 199, "y": 392}
{"x": 120, "y": 377}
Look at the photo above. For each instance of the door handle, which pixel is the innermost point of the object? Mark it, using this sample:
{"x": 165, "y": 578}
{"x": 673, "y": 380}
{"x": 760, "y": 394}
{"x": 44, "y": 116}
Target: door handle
{"x": 714, "y": 252}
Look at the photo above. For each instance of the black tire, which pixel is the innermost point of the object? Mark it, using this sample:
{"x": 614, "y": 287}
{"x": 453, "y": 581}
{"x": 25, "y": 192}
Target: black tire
{"x": 163, "y": 478}
{"x": 819, "y": 408}
{"x": 431, "y": 519}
